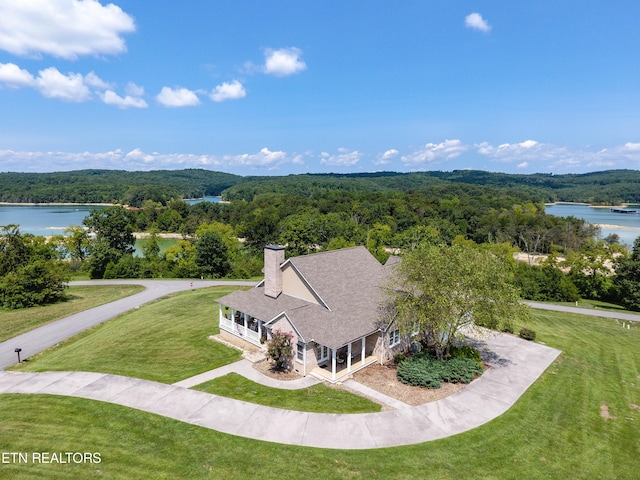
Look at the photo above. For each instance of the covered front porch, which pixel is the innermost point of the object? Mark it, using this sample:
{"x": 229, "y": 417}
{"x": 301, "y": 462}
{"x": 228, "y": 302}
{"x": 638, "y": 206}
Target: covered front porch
{"x": 242, "y": 325}
{"x": 343, "y": 361}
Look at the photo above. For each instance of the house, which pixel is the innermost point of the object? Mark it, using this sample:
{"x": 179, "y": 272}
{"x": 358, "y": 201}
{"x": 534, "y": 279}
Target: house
{"x": 328, "y": 302}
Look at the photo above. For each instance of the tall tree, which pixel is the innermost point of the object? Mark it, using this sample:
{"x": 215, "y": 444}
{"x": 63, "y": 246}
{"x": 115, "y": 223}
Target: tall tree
{"x": 114, "y": 238}
{"x": 211, "y": 255}
{"x": 627, "y": 278}
{"x": 113, "y": 224}
{"x": 30, "y": 274}
{"x": 438, "y": 289}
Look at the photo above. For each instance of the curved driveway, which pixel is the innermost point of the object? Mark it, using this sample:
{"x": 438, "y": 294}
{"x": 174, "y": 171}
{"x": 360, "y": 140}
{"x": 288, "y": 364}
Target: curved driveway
{"x": 515, "y": 363}
{"x": 43, "y": 337}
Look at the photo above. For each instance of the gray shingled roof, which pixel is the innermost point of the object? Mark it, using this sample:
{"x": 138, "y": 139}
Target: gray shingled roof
{"x": 349, "y": 281}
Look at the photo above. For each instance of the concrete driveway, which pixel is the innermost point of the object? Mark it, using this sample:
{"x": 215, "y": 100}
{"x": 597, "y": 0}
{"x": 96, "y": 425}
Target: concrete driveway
{"x": 515, "y": 365}
{"x": 43, "y": 337}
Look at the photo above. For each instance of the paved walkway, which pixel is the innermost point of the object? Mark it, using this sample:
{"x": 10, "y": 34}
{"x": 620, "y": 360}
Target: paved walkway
{"x": 516, "y": 364}
{"x": 245, "y": 368}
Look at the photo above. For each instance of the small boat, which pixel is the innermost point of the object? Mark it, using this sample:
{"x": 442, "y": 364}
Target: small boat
{"x": 628, "y": 212}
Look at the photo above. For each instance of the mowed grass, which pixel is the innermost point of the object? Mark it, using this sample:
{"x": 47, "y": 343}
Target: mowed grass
{"x": 165, "y": 341}
{"x": 15, "y": 322}
{"x": 554, "y": 431}
{"x": 317, "y": 398}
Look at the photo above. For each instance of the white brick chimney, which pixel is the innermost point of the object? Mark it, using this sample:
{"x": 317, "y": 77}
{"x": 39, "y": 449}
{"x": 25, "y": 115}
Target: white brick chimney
{"x": 273, "y": 258}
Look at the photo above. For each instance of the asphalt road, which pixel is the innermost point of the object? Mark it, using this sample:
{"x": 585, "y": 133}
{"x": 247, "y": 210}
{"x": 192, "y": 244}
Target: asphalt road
{"x": 630, "y": 317}
{"x": 43, "y": 337}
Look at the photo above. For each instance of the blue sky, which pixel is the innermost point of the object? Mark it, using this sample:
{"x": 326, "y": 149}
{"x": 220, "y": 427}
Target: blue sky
{"x": 286, "y": 86}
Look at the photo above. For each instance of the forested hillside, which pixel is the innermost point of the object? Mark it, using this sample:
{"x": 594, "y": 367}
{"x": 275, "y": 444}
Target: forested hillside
{"x": 112, "y": 186}
{"x": 621, "y": 185}
{"x": 133, "y": 188}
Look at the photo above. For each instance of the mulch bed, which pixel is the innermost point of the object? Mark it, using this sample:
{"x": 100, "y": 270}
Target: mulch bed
{"x": 383, "y": 379}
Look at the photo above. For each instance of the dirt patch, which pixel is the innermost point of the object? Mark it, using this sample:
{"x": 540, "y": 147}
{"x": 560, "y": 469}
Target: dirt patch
{"x": 634, "y": 406}
{"x": 266, "y": 368}
{"x": 604, "y": 412}
{"x": 383, "y": 379}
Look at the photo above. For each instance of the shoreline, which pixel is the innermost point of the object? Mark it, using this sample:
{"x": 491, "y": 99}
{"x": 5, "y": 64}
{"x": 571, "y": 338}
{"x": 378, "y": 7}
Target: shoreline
{"x": 622, "y": 205}
{"x": 56, "y": 204}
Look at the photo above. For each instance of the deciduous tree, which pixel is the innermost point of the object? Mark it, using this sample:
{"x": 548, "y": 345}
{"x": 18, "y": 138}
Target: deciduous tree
{"x": 438, "y": 289}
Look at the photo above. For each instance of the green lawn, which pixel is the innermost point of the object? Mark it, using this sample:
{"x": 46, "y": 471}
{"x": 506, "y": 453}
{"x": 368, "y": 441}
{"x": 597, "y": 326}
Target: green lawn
{"x": 318, "y": 398}
{"x": 555, "y": 430}
{"x": 165, "y": 341}
{"x": 15, "y": 322}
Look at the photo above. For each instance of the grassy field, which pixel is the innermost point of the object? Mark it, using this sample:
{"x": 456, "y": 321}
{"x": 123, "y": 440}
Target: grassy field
{"x": 318, "y": 398}
{"x": 556, "y": 430}
{"x": 15, "y": 322}
{"x": 165, "y": 341}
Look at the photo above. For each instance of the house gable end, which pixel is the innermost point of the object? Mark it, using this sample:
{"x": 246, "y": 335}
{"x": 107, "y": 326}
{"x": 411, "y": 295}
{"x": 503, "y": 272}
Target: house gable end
{"x": 295, "y": 285}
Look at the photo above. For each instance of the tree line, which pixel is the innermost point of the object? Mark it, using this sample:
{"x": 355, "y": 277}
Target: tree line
{"x": 133, "y": 188}
{"x": 385, "y": 212}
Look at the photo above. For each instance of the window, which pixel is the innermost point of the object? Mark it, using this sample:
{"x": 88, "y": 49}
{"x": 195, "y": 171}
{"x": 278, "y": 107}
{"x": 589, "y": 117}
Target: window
{"x": 394, "y": 338}
{"x": 322, "y": 351}
{"x": 300, "y": 351}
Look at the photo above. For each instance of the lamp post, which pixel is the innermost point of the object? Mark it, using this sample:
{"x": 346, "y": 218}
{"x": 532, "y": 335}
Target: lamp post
{"x": 18, "y": 350}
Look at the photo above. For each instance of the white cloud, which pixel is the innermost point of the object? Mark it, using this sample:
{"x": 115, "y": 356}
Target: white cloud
{"x": 549, "y": 157}
{"x": 386, "y": 157}
{"x": 436, "y": 152}
{"x": 474, "y": 20}
{"x": 510, "y": 151}
{"x": 92, "y": 80}
{"x": 179, "y": 97}
{"x": 283, "y": 62}
{"x": 13, "y": 76}
{"x": 264, "y": 158}
{"x": 344, "y": 158}
{"x": 137, "y": 159}
{"x": 112, "y": 98}
{"x": 228, "y": 91}
{"x": 71, "y": 88}
{"x": 63, "y": 28}
{"x": 134, "y": 90}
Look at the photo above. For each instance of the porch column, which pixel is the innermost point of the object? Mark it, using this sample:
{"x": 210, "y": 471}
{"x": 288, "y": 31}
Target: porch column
{"x": 246, "y": 321}
{"x": 220, "y": 314}
{"x": 333, "y": 364}
{"x": 259, "y": 330}
{"x": 364, "y": 342}
{"x": 349, "y": 357}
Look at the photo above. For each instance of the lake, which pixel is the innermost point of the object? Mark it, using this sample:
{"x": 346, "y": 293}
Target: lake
{"x": 49, "y": 220}
{"x": 626, "y": 226}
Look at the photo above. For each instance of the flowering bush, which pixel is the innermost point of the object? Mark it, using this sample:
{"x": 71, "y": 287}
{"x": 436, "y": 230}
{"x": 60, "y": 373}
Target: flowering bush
{"x": 280, "y": 350}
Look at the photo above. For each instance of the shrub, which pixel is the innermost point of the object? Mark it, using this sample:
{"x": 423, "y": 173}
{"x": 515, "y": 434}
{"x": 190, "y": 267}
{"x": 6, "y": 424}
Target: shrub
{"x": 280, "y": 350}
{"x": 398, "y": 358}
{"x": 417, "y": 372}
{"x": 466, "y": 351}
{"x": 427, "y": 372}
{"x": 527, "y": 334}
{"x": 506, "y": 328}
{"x": 460, "y": 370}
